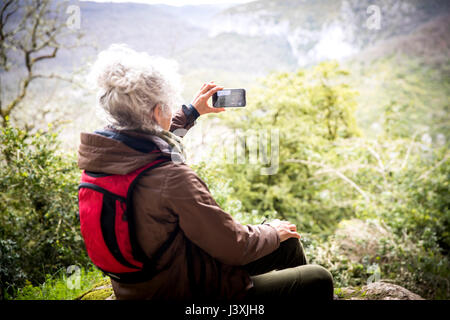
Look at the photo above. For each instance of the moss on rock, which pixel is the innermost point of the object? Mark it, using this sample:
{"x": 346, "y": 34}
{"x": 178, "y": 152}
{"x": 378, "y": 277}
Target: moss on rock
{"x": 101, "y": 291}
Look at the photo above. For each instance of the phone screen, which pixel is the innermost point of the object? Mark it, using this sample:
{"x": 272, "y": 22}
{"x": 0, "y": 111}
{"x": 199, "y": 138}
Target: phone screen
{"x": 229, "y": 98}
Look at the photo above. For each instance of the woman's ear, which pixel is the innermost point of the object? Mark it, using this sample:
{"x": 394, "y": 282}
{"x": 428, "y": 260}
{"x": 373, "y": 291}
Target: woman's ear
{"x": 157, "y": 113}
{"x": 161, "y": 118}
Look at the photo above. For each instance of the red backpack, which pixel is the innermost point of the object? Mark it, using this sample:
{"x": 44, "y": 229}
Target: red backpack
{"x": 107, "y": 225}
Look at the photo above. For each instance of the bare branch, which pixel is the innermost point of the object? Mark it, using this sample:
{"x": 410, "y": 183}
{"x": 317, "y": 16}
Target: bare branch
{"x": 48, "y": 56}
{"x": 23, "y": 91}
{"x": 408, "y": 152}
{"x": 377, "y": 156}
{"x": 58, "y": 77}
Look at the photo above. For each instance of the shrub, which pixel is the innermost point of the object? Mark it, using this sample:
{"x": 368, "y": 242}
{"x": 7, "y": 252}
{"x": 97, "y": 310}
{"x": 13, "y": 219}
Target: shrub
{"x": 39, "y": 231}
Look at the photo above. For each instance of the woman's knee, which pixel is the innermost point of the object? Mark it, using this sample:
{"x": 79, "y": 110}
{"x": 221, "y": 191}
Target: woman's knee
{"x": 323, "y": 275}
{"x": 307, "y": 282}
{"x": 320, "y": 281}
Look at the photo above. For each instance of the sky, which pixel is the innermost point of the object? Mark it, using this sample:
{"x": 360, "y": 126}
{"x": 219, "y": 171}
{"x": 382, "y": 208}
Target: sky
{"x": 177, "y": 2}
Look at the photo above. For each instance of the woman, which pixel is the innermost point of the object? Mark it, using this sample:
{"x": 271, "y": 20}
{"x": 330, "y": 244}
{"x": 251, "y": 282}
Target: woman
{"x": 211, "y": 255}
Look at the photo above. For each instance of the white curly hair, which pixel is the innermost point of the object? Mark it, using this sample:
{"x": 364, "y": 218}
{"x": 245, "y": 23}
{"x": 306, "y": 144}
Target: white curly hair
{"x": 131, "y": 84}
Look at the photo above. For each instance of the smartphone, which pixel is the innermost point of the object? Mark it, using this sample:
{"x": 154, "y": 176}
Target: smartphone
{"x": 229, "y": 98}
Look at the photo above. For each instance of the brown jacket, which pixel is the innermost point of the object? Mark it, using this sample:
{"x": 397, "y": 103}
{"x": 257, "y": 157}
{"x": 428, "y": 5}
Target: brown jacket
{"x": 169, "y": 195}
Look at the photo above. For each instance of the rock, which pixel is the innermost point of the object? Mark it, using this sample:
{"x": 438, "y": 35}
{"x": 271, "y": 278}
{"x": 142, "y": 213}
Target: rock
{"x": 356, "y": 238}
{"x": 376, "y": 291}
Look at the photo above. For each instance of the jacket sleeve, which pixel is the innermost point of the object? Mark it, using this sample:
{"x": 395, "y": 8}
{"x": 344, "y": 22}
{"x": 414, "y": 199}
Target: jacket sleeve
{"x": 208, "y": 226}
{"x": 184, "y": 119}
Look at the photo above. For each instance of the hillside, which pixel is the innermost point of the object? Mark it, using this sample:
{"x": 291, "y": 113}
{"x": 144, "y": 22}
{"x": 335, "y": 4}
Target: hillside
{"x": 429, "y": 42}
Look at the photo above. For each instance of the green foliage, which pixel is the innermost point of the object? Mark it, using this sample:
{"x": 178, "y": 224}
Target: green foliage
{"x": 417, "y": 265}
{"x": 311, "y": 109}
{"x": 223, "y": 190}
{"x": 39, "y": 231}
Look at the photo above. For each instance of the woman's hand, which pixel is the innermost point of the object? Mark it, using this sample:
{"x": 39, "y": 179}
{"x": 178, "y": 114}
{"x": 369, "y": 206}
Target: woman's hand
{"x": 200, "y": 101}
{"x": 285, "y": 229}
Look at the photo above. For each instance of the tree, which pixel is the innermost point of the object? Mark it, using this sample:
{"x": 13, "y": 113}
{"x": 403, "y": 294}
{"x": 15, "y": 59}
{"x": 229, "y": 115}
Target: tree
{"x": 31, "y": 33}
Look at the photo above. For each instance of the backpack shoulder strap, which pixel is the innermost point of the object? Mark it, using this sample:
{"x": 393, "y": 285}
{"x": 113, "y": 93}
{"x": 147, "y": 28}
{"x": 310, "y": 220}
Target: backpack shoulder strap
{"x": 137, "y": 251}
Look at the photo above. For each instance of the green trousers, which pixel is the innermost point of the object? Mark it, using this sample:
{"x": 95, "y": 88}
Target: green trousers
{"x": 285, "y": 275}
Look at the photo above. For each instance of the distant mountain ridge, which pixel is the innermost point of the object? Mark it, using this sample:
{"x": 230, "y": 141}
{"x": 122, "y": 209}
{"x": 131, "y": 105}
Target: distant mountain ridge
{"x": 327, "y": 29}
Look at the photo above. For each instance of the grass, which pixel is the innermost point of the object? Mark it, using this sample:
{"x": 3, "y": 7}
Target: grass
{"x": 62, "y": 286}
